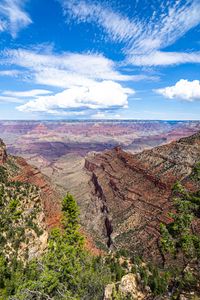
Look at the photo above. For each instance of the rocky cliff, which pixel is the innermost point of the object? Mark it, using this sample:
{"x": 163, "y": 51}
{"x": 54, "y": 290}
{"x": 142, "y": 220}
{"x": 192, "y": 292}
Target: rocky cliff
{"x": 135, "y": 191}
{"x": 3, "y": 154}
{"x": 29, "y": 208}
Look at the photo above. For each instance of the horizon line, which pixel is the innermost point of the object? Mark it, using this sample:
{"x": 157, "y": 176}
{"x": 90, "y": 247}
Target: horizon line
{"x": 99, "y": 120}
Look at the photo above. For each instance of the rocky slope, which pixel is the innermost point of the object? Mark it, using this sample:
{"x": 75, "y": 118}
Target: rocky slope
{"x": 29, "y": 208}
{"x": 134, "y": 191}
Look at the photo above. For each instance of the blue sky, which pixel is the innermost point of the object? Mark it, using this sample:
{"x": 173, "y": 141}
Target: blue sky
{"x": 91, "y": 59}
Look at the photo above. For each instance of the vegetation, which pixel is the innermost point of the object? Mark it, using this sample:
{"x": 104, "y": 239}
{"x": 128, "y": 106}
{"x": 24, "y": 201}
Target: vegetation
{"x": 68, "y": 271}
{"x": 180, "y": 248}
{"x": 18, "y": 218}
{"x": 179, "y": 240}
{"x": 65, "y": 271}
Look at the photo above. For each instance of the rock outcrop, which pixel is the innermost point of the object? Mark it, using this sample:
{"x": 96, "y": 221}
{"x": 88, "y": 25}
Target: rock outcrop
{"x": 18, "y": 170}
{"x": 24, "y": 231}
{"x": 49, "y": 195}
{"x": 135, "y": 191}
{"x": 127, "y": 288}
{"x": 3, "y": 154}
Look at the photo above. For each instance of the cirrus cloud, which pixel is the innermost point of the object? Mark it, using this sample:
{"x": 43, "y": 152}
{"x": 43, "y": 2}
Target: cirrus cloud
{"x": 13, "y": 16}
{"x": 161, "y": 58}
{"x": 144, "y": 36}
{"x": 183, "y": 89}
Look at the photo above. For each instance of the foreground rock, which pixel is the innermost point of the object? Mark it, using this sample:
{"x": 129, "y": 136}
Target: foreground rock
{"x": 127, "y": 288}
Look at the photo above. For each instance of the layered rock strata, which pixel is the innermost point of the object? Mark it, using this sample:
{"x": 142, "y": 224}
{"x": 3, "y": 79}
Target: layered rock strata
{"x": 135, "y": 190}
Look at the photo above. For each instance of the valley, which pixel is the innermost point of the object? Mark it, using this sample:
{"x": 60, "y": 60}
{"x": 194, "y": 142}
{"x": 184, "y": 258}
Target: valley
{"x": 124, "y": 196}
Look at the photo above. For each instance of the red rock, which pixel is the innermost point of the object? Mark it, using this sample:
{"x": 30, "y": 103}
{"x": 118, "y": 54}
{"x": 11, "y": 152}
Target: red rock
{"x": 135, "y": 190}
{"x": 29, "y": 174}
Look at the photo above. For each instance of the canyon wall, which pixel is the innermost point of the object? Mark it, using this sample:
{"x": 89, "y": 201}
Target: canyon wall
{"x": 135, "y": 191}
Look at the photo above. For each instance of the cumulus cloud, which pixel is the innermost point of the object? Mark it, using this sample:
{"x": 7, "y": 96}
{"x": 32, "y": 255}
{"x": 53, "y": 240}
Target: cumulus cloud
{"x": 98, "y": 95}
{"x": 144, "y": 36}
{"x": 183, "y": 89}
{"x": 82, "y": 81}
{"x": 13, "y": 16}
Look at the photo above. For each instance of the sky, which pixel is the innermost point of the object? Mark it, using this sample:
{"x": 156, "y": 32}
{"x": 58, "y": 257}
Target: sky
{"x": 100, "y": 59}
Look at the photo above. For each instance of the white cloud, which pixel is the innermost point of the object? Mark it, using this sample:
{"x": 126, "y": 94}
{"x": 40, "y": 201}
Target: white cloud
{"x": 7, "y": 99}
{"x": 162, "y": 26}
{"x": 106, "y": 115}
{"x": 98, "y": 95}
{"x": 26, "y": 94}
{"x": 67, "y": 68}
{"x": 11, "y": 73}
{"x": 99, "y": 115}
{"x": 144, "y": 35}
{"x": 158, "y": 58}
{"x": 117, "y": 26}
{"x": 88, "y": 81}
{"x": 13, "y": 16}
{"x": 21, "y": 96}
{"x": 2, "y": 25}
{"x": 183, "y": 89}
{"x": 167, "y": 26}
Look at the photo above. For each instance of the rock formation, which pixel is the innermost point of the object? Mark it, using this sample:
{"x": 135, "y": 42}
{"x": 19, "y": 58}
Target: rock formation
{"x": 49, "y": 195}
{"x": 48, "y": 141}
{"x": 3, "y": 154}
{"x": 30, "y": 206}
{"x": 127, "y": 288}
{"x": 135, "y": 191}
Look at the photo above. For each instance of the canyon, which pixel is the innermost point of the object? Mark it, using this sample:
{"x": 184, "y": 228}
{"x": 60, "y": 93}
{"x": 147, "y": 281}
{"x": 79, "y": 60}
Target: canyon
{"x": 135, "y": 191}
{"x": 44, "y": 142}
{"x": 121, "y": 173}
{"x": 124, "y": 196}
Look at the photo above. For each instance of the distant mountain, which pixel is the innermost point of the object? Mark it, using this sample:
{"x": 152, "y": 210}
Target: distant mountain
{"x": 50, "y": 140}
